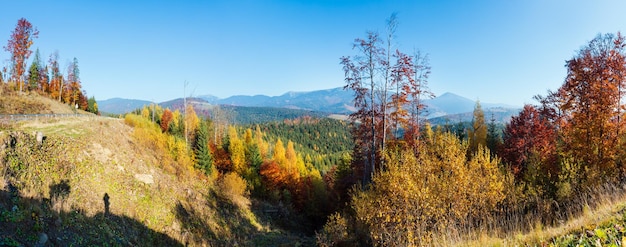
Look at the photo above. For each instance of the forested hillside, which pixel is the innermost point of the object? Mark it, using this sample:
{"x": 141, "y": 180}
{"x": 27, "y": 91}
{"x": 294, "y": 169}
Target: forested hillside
{"x": 322, "y": 141}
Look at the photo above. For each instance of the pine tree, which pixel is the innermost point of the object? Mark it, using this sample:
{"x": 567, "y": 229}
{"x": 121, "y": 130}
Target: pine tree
{"x": 494, "y": 139}
{"x": 92, "y": 105}
{"x": 204, "y": 161}
{"x": 35, "y": 71}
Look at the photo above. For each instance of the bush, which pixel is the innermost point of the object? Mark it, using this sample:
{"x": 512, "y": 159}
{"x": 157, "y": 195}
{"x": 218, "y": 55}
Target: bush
{"x": 419, "y": 197}
{"x": 334, "y": 233}
{"x": 235, "y": 189}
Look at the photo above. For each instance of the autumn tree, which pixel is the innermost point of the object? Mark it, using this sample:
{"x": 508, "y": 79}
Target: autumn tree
{"x": 387, "y": 79}
{"x": 191, "y": 122}
{"x": 417, "y": 91}
{"x": 373, "y": 75}
{"x": 360, "y": 78}
{"x": 166, "y": 118}
{"x": 592, "y": 107}
{"x": 237, "y": 151}
{"x": 478, "y": 133}
{"x": 279, "y": 154}
{"x": 419, "y": 195}
{"x": 56, "y": 77}
{"x": 19, "y": 47}
{"x": 530, "y": 140}
{"x": 291, "y": 156}
{"x": 73, "y": 92}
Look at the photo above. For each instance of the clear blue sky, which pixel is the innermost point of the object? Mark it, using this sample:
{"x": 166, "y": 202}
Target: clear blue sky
{"x": 495, "y": 51}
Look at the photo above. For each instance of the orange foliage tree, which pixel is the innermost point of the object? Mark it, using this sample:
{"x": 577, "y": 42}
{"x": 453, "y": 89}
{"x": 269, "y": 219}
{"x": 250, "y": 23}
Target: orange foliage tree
{"x": 19, "y": 47}
{"x": 166, "y": 118}
{"x": 591, "y": 100}
{"x": 56, "y": 78}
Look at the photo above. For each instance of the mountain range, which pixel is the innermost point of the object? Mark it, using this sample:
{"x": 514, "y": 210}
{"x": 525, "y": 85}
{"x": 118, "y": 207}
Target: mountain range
{"x": 448, "y": 106}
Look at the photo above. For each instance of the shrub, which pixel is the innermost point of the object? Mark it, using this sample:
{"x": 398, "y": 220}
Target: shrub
{"x": 418, "y": 197}
{"x": 235, "y": 189}
{"x": 334, "y": 232}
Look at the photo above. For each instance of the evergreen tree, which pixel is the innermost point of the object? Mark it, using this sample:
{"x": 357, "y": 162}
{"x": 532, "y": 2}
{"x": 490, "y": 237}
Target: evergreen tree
{"x": 92, "y": 105}
{"x": 204, "y": 161}
{"x": 494, "y": 138}
{"x": 35, "y": 72}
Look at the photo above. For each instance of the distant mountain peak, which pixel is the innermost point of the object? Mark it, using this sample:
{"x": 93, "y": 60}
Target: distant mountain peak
{"x": 449, "y": 94}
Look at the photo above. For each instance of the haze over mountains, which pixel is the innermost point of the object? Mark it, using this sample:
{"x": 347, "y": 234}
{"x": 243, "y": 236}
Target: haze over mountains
{"x": 449, "y": 106}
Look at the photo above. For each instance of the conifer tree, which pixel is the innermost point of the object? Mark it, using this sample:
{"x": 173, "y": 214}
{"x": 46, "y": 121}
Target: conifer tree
{"x": 494, "y": 138}
{"x": 92, "y": 105}
{"x": 35, "y": 72}
{"x": 204, "y": 160}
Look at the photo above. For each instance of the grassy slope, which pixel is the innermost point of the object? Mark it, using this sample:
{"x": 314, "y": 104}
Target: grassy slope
{"x": 59, "y": 189}
{"x": 32, "y": 103}
{"x": 604, "y": 225}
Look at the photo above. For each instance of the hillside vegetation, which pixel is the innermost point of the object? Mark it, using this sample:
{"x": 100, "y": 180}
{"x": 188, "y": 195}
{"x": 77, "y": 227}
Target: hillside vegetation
{"x": 92, "y": 181}
{"x": 33, "y": 103}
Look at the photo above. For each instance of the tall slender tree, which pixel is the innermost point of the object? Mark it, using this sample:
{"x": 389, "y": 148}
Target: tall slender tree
{"x": 373, "y": 75}
{"x": 478, "y": 133}
{"x": 73, "y": 83}
{"x": 19, "y": 47}
{"x": 204, "y": 161}
{"x": 360, "y": 77}
{"x": 35, "y": 72}
{"x": 56, "y": 77}
{"x": 494, "y": 138}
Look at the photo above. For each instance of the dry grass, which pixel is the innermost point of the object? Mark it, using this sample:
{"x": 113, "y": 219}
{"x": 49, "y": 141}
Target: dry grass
{"x": 602, "y": 205}
{"x": 14, "y": 104}
{"x": 33, "y": 103}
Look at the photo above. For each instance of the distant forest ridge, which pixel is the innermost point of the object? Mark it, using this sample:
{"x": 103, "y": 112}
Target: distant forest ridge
{"x": 446, "y": 107}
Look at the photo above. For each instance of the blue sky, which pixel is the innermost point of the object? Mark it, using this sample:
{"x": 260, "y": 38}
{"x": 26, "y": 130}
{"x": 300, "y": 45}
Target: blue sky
{"x": 495, "y": 51}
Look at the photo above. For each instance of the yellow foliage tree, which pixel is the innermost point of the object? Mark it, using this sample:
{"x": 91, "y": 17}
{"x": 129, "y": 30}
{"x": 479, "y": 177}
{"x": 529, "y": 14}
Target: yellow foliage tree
{"x": 176, "y": 120}
{"x": 191, "y": 122}
{"x": 279, "y": 154}
{"x": 418, "y": 196}
{"x": 291, "y": 156}
{"x": 263, "y": 145}
{"x": 237, "y": 151}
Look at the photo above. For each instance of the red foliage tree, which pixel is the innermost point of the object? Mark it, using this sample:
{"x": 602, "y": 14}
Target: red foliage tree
{"x": 19, "y": 47}
{"x": 529, "y": 133}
